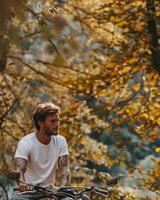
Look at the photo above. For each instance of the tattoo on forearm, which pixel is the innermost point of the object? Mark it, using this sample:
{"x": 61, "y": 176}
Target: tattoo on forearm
{"x": 63, "y": 172}
{"x": 21, "y": 165}
{"x": 62, "y": 161}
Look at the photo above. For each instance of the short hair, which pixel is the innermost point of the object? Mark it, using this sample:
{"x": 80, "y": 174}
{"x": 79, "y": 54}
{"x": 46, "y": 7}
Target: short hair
{"x": 42, "y": 111}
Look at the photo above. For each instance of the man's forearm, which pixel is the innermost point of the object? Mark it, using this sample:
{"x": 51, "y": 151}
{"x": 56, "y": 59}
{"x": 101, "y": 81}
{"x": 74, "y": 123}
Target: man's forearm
{"x": 62, "y": 174}
{"x": 22, "y": 177}
{"x": 66, "y": 178}
{"x": 63, "y": 177}
{"x": 21, "y": 167}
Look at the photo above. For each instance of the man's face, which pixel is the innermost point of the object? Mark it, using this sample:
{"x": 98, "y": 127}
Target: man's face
{"x": 51, "y": 124}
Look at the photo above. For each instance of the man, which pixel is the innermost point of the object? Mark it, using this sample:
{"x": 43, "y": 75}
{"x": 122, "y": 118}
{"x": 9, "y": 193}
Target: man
{"x": 42, "y": 157}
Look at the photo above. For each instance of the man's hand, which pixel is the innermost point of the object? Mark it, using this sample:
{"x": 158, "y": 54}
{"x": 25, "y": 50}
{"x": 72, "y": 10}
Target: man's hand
{"x": 23, "y": 187}
{"x": 14, "y": 174}
{"x": 53, "y": 187}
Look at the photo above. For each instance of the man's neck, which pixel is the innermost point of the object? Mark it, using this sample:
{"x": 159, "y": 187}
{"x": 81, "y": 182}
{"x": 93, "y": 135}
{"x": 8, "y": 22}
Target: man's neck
{"x": 43, "y": 138}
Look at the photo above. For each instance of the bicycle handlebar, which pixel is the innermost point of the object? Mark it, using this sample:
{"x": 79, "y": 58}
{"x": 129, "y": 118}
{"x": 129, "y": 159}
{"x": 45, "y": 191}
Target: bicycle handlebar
{"x": 48, "y": 193}
{"x": 68, "y": 193}
{"x": 74, "y": 195}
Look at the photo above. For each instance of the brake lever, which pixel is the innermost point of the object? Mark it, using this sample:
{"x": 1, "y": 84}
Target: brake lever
{"x": 102, "y": 192}
{"x": 28, "y": 192}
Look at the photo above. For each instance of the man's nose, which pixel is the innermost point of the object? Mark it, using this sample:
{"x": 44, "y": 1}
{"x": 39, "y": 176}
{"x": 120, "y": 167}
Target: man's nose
{"x": 57, "y": 124}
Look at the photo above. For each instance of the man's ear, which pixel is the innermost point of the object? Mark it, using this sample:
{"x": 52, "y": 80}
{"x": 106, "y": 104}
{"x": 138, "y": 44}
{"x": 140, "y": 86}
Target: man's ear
{"x": 40, "y": 123}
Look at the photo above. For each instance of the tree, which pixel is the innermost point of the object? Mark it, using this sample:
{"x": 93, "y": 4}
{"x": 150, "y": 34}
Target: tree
{"x": 94, "y": 61}
{"x": 152, "y": 28}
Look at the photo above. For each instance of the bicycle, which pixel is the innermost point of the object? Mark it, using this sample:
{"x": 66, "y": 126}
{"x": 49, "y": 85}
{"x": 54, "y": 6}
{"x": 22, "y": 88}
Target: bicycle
{"x": 67, "y": 192}
{"x": 3, "y": 192}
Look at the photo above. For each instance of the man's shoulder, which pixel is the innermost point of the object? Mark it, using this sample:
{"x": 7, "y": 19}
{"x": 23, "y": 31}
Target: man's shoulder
{"x": 28, "y": 138}
{"x": 59, "y": 138}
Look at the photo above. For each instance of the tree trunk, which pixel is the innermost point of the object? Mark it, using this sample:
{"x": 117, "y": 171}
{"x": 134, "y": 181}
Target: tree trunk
{"x": 153, "y": 33}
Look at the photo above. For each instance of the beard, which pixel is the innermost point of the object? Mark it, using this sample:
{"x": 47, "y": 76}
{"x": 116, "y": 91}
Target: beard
{"x": 50, "y": 133}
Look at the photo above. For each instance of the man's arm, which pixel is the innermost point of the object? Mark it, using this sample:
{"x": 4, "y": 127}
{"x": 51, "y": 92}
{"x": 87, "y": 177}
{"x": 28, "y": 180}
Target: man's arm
{"x": 62, "y": 174}
{"x": 21, "y": 165}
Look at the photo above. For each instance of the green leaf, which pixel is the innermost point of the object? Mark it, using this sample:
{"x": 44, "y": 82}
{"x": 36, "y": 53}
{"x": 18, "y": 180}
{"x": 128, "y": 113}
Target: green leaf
{"x": 59, "y": 60}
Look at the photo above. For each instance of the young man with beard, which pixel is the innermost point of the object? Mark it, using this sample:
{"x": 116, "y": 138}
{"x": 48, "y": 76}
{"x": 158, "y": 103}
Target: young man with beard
{"x": 42, "y": 156}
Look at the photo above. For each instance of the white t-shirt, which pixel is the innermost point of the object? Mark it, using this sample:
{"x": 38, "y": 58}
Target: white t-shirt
{"x": 42, "y": 159}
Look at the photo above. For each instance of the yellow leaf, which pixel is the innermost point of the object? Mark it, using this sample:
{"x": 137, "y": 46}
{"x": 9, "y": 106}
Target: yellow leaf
{"x": 146, "y": 89}
{"x": 59, "y": 60}
{"x": 157, "y": 150}
{"x": 136, "y": 88}
{"x": 131, "y": 171}
{"x": 156, "y": 105}
{"x": 145, "y": 115}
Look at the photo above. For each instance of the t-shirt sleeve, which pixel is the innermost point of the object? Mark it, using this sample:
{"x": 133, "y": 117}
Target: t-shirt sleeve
{"x": 22, "y": 150}
{"x": 63, "y": 147}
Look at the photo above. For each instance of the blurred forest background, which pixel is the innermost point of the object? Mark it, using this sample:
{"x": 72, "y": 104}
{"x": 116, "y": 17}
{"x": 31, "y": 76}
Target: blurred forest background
{"x": 99, "y": 60}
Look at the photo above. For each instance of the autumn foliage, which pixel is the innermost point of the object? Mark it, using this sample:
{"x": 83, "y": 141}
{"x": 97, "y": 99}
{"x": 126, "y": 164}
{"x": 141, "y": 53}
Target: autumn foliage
{"x": 96, "y": 60}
